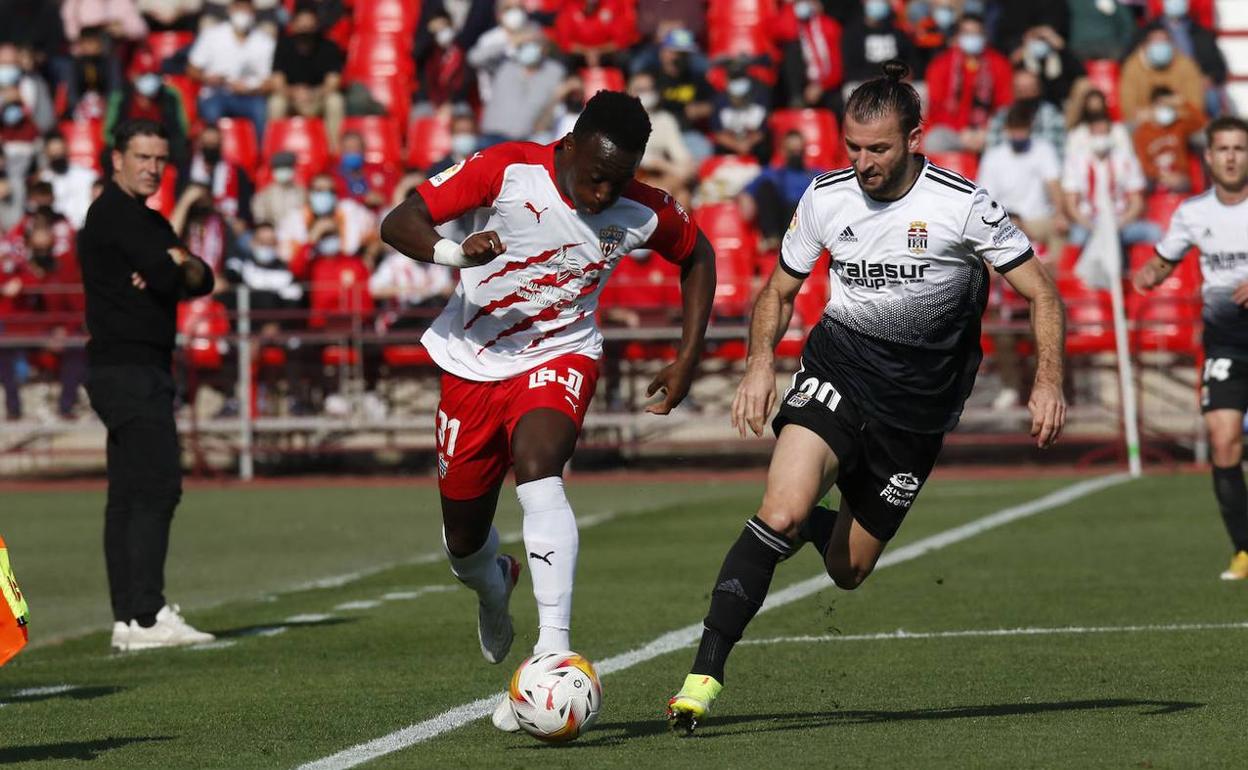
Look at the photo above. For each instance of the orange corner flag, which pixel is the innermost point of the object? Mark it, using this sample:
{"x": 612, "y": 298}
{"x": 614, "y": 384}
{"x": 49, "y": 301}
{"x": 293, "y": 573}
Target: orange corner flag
{"x": 14, "y": 614}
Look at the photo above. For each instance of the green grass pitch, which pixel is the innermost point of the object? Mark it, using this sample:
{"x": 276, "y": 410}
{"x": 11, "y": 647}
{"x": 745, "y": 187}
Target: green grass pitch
{"x": 340, "y": 625}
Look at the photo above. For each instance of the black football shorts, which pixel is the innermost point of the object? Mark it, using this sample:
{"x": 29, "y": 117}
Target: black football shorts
{"x": 1224, "y": 384}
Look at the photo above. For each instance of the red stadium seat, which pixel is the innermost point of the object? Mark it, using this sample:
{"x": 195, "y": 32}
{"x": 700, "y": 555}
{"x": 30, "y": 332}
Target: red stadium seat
{"x": 393, "y": 92}
{"x": 595, "y": 79}
{"x": 372, "y": 55}
{"x": 1202, "y": 11}
{"x": 428, "y": 141}
{"x": 406, "y": 356}
{"x": 382, "y": 141}
{"x": 757, "y": 12}
{"x": 1161, "y": 207}
{"x": 85, "y": 141}
{"x": 964, "y": 163}
{"x": 188, "y": 89}
{"x": 1103, "y": 73}
{"x": 824, "y": 150}
{"x": 735, "y": 244}
{"x": 339, "y": 355}
{"x": 339, "y": 293}
{"x": 305, "y": 137}
{"x": 393, "y": 16}
{"x": 649, "y": 284}
{"x": 238, "y": 142}
{"x": 166, "y": 44}
{"x": 1089, "y": 318}
{"x": 166, "y": 196}
{"x": 204, "y": 324}
{"x": 731, "y": 38}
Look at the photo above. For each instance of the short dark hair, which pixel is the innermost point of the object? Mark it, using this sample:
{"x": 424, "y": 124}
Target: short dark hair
{"x": 1224, "y": 123}
{"x": 128, "y": 129}
{"x": 887, "y": 95}
{"x": 1020, "y": 116}
{"x": 618, "y": 118}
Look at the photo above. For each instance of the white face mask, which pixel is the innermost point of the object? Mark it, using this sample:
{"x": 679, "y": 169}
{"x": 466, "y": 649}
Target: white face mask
{"x": 329, "y": 246}
{"x": 322, "y": 202}
{"x": 513, "y": 19}
{"x": 463, "y": 145}
{"x": 529, "y": 54}
{"x": 649, "y": 99}
{"x": 264, "y": 254}
{"x": 738, "y": 87}
{"x": 283, "y": 175}
{"x": 242, "y": 21}
{"x": 1175, "y": 9}
{"x": 9, "y": 75}
{"x": 804, "y": 9}
{"x": 971, "y": 43}
{"x": 444, "y": 36}
{"x": 148, "y": 84}
{"x": 1165, "y": 115}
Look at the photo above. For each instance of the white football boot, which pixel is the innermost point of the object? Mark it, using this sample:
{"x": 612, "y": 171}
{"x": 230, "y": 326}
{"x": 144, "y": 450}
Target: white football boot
{"x": 121, "y": 636}
{"x": 170, "y": 630}
{"x": 494, "y": 629}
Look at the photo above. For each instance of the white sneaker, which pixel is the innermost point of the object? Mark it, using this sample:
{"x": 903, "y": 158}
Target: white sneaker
{"x": 494, "y": 629}
{"x": 121, "y": 636}
{"x": 1006, "y": 399}
{"x": 170, "y": 630}
{"x": 504, "y": 718}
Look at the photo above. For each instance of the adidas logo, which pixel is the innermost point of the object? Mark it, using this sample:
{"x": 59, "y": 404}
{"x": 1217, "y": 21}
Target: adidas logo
{"x": 847, "y": 236}
{"x": 734, "y": 587}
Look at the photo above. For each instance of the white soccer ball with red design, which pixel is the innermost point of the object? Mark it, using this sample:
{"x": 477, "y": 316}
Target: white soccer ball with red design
{"x": 555, "y": 695}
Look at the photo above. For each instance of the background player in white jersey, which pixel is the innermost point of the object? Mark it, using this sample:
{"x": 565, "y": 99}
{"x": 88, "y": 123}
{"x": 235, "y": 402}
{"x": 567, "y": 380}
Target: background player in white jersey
{"x": 518, "y": 343}
{"x": 885, "y": 373}
{"x": 1214, "y": 223}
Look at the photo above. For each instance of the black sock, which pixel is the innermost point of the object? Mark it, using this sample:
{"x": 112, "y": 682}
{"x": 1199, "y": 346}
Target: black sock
{"x": 739, "y": 591}
{"x": 1228, "y": 487}
{"x": 818, "y": 528}
{"x": 146, "y": 621}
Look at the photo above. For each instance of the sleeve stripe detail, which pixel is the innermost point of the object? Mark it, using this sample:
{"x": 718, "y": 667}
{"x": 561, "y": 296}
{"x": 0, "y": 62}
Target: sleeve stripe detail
{"x": 1013, "y": 263}
{"x": 834, "y": 172}
{"x": 834, "y": 180}
{"x": 796, "y": 274}
{"x": 950, "y": 185}
{"x": 951, "y": 176}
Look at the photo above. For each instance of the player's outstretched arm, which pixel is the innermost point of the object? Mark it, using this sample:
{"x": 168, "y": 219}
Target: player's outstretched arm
{"x": 697, "y": 294}
{"x": 409, "y": 229}
{"x": 756, "y": 394}
{"x": 1048, "y": 323}
{"x": 1152, "y": 273}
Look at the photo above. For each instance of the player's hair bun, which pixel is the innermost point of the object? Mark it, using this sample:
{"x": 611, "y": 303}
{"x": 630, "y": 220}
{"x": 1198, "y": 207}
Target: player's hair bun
{"x": 895, "y": 70}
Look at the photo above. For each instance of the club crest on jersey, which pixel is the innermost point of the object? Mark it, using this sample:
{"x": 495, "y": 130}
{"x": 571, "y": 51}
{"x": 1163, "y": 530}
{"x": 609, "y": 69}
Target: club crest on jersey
{"x": 916, "y": 237}
{"x": 610, "y": 238}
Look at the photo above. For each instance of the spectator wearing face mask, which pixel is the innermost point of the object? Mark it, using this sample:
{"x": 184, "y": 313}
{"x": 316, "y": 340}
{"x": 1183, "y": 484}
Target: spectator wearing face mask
{"x": 95, "y": 73}
{"x": 1099, "y": 29}
{"x": 1200, "y": 43}
{"x": 272, "y": 285}
{"x": 162, "y": 15}
{"x": 61, "y": 303}
{"x": 443, "y": 78}
{"x": 120, "y": 18}
{"x": 565, "y": 107}
{"x": 595, "y": 33}
{"x": 358, "y": 176}
{"x": 228, "y": 182}
{"x": 684, "y": 92}
{"x": 283, "y": 194}
{"x": 146, "y": 96}
{"x": 1084, "y": 107}
{"x": 1048, "y": 123}
{"x": 739, "y": 123}
{"x": 666, "y": 163}
{"x": 71, "y": 183}
{"x": 464, "y": 142}
{"x": 524, "y": 88}
{"x": 770, "y": 200}
{"x": 1155, "y": 63}
{"x": 18, "y": 135}
{"x": 810, "y": 56}
{"x": 933, "y": 27}
{"x": 355, "y": 224}
{"x": 1043, "y": 53}
{"x": 403, "y": 284}
{"x": 12, "y": 199}
{"x": 966, "y": 84}
{"x": 233, "y": 61}
{"x": 1104, "y": 170}
{"x": 1163, "y": 142}
{"x": 1019, "y": 17}
{"x": 514, "y": 26}
{"x": 20, "y": 83}
{"x": 17, "y": 300}
{"x": 1023, "y": 174}
{"x": 307, "y": 72}
{"x": 204, "y": 228}
{"x": 872, "y": 39}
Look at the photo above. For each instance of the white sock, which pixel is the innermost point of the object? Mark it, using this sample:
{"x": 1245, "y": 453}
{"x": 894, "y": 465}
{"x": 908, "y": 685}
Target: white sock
{"x": 479, "y": 571}
{"x": 551, "y": 539}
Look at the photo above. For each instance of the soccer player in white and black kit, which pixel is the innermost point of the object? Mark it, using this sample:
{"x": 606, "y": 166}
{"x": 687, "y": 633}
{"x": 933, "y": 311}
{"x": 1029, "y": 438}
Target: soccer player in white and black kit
{"x": 885, "y": 373}
{"x": 1213, "y": 222}
{"x": 519, "y": 346}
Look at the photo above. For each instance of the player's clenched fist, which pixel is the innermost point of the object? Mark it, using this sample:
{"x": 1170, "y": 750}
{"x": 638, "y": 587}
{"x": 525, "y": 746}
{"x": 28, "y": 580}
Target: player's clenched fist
{"x": 477, "y": 249}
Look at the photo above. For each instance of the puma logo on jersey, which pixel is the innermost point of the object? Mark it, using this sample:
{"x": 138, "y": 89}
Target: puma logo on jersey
{"x": 847, "y": 236}
{"x": 545, "y": 558}
{"x": 536, "y": 213}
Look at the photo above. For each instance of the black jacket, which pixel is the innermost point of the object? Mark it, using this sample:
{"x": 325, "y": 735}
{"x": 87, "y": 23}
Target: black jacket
{"x": 128, "y": 325}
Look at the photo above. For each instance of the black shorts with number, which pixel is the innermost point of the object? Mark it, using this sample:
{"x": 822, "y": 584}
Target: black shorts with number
{"x": 882, "y": 468}
{"x": 1224, "y": 384}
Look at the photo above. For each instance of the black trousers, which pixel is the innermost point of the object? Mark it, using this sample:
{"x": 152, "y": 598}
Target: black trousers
{"x": 135, "y": 403}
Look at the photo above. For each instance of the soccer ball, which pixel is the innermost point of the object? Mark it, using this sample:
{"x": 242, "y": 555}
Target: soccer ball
{"x": 555, "y": 695}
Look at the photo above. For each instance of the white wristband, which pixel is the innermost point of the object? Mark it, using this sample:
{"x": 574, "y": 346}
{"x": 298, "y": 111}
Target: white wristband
{"x": 449, "y": 253}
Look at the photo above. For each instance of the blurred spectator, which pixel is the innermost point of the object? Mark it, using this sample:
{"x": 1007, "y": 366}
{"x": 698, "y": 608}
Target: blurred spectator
{"x": 564, "y": 110}
{"x": 71, "y": 183}
{"x": 1154, "y": 63}
{"x": 683, "y": 92}
{"x": 1019, "y": 17}
{"x": 163, "y": 15}
{"x": 145, "y": 95}
{"x": 119, "y": 18}
{"x": 524, "y": 88}
{"x": 95, "y": 73}
{"x": 34, "y": 24}
{"x": 1163, "y": 140}
{"x": 357, "y": 177}
{"x": 12, "y": 199}
{"x": 354, "y": 223}
{"x": 1047, "y": 123}
{"x": 595, "y": 33}
{"x": 655, "y": 18}
{"x": 229, "y": 183}
{"x": 283, "y": 194}
{"x": 328, "y": 12}
{"x": 443, "y": 78}
{"x": 1201, "y": 44}
{"x": 19, "y": 82}
{"x": 810, "y": 52}
{"x": 966, "y": 84}
{"x": 61, "y": 299}
{"x": 268, "y": 13}
{"x": 16, "y": 282}
{"x": 205, "y": 231}
{"x": 1099, "y": 29}
{"x": 872, "y": 39}
{"x": 666, "y": 163}
{"x": 500, "y": 43}
{"x": 1084, "y": 107}
{"x": 307, "y": 71}
{"x": 1024, "y": 175}
{"x": 464, "y": 142}
{"x": 770, "y": 200}
{"x": 1043, "y": 53}
{"x": 1105, "y": 170}
{"x": 404, "y": 284}
{"x": 934, "y": 28}
{"x": 18, "y": 137}
{"x": 470, "y": 19}
{"x": 739, "y": 123}
{"x": 233, "y": 60}
{"x": 271, "y": 283}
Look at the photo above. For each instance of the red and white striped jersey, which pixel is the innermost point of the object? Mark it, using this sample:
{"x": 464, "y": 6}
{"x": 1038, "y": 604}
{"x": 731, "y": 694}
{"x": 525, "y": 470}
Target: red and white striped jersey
{"x": 537, "y": 300}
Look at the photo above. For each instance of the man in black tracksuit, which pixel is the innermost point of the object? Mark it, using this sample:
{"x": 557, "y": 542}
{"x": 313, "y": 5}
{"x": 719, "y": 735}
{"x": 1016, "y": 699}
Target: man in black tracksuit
{"x": 134, "y": 272}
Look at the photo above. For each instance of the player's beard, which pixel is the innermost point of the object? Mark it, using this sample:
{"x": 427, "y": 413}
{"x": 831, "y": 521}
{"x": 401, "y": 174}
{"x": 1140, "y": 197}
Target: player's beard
{"x": 890, "y": 180}
{"x": 1229, "y": 182}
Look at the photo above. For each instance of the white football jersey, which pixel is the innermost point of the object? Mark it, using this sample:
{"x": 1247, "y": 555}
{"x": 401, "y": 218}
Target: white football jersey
{"x": 900, "y": 332}
{"x": 1220, "y": 232}
{"x": 537, "y": 300}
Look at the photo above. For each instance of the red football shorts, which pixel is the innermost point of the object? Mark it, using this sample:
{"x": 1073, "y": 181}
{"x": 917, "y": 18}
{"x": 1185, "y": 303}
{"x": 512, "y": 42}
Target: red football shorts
{"x": 476, "y": 419}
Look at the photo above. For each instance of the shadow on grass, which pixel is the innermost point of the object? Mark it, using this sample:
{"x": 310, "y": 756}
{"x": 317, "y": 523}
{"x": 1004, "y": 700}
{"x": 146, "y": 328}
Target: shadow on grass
{"x": 82, "y": 750}
{"x": 273, "y": 628}
{"x": 70, "y": 693}
{"x": 611, "y": 733}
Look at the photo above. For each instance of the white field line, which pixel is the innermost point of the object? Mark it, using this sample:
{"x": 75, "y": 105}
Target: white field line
{"x": 998, "y": 632}
{"x": 680, "y": 638}
{"x": 358, "y": 604}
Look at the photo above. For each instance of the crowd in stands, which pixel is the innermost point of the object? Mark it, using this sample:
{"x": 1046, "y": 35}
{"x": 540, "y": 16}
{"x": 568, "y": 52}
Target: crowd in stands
{"x": 296, "y": 125}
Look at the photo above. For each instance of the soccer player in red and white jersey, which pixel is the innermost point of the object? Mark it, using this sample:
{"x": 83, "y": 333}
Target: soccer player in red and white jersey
{"x": 519, "y": 346}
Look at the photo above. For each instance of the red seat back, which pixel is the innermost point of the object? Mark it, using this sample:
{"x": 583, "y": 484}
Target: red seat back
{"x": 166, "y": 44}
{"x": 382, "y": 143}
{"x": 85, "y": 141}
{"x": 305, "y": 137}
{"x": 735, "y": 244}
{"x": 649, "y": 284}
{"x": 204, "y": 324}
{"x": 393, "y": 16}
{"x": 1089, "y": 318}
{"x": 595, "y": 79}
{"x": 238, "y": 143}
{"x": 964, "y": 163}
{"x": 166, "y": 196}
{"x": 821, "y": 131}
{"x": 428, "y": 141}
{"x": 379, "y": 54}
{"x": 1103, "y": 74}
